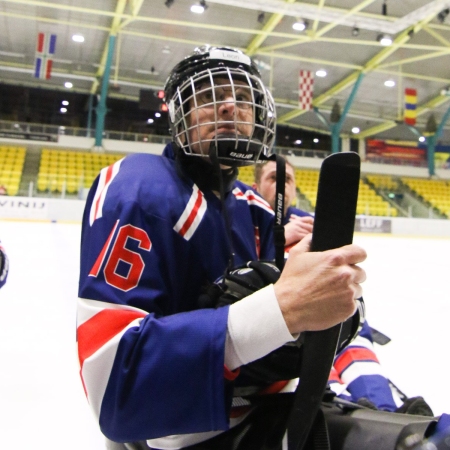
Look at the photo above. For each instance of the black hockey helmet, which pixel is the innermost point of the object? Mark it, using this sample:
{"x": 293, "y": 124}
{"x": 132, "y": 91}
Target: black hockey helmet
{"x": 197, "y": 82}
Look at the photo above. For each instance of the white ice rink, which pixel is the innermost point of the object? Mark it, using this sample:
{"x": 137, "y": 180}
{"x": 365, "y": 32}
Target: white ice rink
{"x": 42, "y": 404}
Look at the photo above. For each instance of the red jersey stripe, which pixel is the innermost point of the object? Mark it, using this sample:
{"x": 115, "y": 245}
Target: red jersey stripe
{"x": 230, "y": 375}
{"x": 98, "y": 264}
{"x": 192, "y": 214}
{"x": 353, "y": 355}
{"x": 99, "y": 329}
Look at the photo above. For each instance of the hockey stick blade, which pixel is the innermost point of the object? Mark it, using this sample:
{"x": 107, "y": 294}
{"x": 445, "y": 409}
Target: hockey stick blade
{"x": 334, "y": 224}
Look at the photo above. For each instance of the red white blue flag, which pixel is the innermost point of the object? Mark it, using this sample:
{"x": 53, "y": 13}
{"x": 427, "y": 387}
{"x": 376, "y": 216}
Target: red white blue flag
{"x": 45, "y": 50}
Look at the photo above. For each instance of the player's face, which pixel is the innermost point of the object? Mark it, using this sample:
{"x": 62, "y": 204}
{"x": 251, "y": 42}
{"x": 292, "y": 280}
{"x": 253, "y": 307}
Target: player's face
{"x": 219, "y": 109}
{"x": 267, "y": 185}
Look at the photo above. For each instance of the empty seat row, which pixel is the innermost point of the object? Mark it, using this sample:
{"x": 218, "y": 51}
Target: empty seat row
{"x": 70, "y": 171}
{"x": 12, "y": 159}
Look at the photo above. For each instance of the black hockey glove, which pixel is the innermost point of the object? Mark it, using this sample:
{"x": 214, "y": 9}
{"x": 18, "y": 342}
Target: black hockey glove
{"x": 284, "y": 362}
{"x": 416, "y": 406}
{"x": 281, "y": 364}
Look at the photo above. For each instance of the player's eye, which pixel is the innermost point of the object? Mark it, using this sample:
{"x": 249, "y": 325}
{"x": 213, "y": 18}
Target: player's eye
{"x": 205, "y": 96}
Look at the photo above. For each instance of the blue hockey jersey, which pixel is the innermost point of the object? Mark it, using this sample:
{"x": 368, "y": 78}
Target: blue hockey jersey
{"x": 150, "y": 241}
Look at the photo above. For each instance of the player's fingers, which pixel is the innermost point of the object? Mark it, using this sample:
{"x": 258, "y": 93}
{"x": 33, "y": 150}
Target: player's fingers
{"x": 348, "y": 254}
{"x": 304, "y": 245}
{"x": 359, "y": 274}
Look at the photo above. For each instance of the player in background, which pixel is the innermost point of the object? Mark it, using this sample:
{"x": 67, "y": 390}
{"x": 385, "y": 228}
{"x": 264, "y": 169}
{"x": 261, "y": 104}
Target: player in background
{"x": 356, "y": 375}
{"x": 4, "y": 266}
{"x": 160, "y": 370}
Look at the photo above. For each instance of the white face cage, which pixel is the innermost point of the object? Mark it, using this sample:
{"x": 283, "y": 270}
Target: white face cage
{"x": 224, "y": 110}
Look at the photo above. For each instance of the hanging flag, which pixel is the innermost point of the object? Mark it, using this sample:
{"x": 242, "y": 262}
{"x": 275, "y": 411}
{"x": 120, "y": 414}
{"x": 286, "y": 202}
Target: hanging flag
{"x": 305, "y": 89}
{"x": 45, "y": 50}
{"x": 410, "y": 106}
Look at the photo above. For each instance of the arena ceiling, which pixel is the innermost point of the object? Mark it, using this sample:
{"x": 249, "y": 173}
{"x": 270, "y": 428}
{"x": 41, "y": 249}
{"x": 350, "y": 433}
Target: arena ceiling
{"x": 341, "y": 38}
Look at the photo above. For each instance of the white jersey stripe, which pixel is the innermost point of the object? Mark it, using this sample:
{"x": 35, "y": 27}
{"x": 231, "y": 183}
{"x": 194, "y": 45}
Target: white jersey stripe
{"x": 361, "y": 368}
{"x": 89, "y": 308}
{"x": 107, "y": 175}
{"x": 97, "y": 368}
{"x": 252, "y": 199}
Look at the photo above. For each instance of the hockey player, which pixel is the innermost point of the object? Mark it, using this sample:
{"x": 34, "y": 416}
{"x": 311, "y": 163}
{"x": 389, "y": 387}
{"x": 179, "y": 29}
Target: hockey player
{"x": 157, "y": 366}
{"x": 4, "y": 266}
{"x": 297, "y": 223}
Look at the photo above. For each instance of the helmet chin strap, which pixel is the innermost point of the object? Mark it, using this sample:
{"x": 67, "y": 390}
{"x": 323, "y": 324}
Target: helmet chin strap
{"x": 278, "y": 228}
{"x": 213, "y": 154}
{"x": 279, "y": 237}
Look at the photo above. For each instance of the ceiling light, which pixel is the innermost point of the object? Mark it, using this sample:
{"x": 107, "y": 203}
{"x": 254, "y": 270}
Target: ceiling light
{"x": 169, "y": 3}
{"x": 384, "y": 39}
{"x": 150, "y": 120}
{"x": 300, "y": 25}
{"x": 315, "y": 140}
{"x": 200, "y": 8}
{"x": 389, "y": 83}
{"x": 422, "y": 139}
{"x": 12, "y": 54}
{"x": 298, "y": 142}
{"x": 149, "y": 72}
{"x": 321, "y": 73}
{"x": 78, "y": 38}
{"x": 157, "y": 114}
{"x": 68, "y": 85}
{"x": 355, "y": 130}
{"x": 63, "y": 110}
{"x": 65, "y": 103}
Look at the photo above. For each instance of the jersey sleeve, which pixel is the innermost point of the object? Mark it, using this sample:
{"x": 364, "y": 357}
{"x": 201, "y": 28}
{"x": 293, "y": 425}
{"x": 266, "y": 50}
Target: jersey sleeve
{"x": 359, "y": 370}
{"x": 150, "y": 364}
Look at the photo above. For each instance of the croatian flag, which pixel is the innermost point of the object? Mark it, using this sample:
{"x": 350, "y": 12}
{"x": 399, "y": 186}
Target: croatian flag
{"x": 305, "y": 89}
{"x": 45, "y": 50}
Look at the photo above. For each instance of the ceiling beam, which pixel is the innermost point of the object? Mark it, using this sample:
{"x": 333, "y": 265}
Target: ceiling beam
{"x": 309, "y": 37}
{"x": 268, "y": 27}
{"x": 373, "y": 22}
{"x": 115, "y": 26}
{"x": 371, "y": 65}
{"x": 437, "y": 36}
{"x": 320, "y": 6}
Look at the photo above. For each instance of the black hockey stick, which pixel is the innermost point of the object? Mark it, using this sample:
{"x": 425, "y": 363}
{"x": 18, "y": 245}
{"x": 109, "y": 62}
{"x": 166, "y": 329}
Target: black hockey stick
{"x": 334, "y": 225}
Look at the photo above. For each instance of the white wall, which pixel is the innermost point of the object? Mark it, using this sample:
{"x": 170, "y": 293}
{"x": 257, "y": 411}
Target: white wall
{"x": 54, "y": 209}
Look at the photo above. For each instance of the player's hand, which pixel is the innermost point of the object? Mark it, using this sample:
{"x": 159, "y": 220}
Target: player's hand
{"x": 297, "y": 228}
{"x": 318, "y": 290}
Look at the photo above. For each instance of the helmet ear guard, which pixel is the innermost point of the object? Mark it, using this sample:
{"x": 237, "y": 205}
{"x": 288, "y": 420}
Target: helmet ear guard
{"x": 227, "y": 69}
